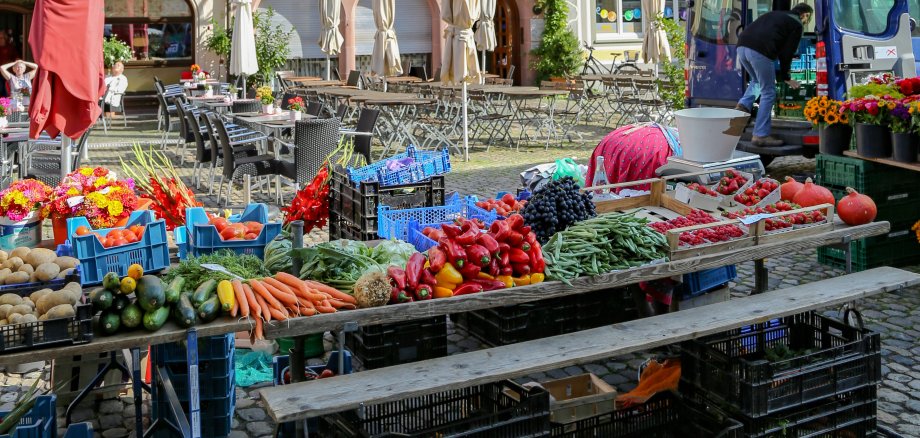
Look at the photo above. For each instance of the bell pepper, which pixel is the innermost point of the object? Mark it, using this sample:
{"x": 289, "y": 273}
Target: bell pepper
{"x": 399, "y": 296}
{"x": 485, "y": 276}
{"x": 489, "y": 243}
{"x": 518, "y": 256}
{"x": 515, "y": 239}
{"x": 509, "y": 282}
{"x": 470, "y": 271}
{"x": 470, "y": 287}
{"x": 494, "y": 269}
{"x": 537, "y": 278}
{"x": 436, "y": 258}
{"x": 427, "y": 278}
{"x": 500, "y": 230}
{"x": 515, "y": 221}
{"x": 488, "y": 285}
{"x": 449, "y": 275}
{"x": 504, "y": 255}
{"x": 451, "y": 231}
{"x": 537, "y": 263}
{"x": 443, "y": 292}
{"x": 414, "y": 269}
{"x": 423, "y": 292}
{"x": 521, "y": 268}
{"x": 455, "y": 253}
{"x": 523, "y": 280}
{"x": 478, "y": 255}
{"x": 398, "y": 276}
{"x": 470, "y": 235}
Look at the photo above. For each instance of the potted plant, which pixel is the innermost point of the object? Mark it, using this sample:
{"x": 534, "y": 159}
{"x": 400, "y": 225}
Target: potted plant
{"x": 904, "y": 141}
{"x": 873, "y": 139}
{"x": 834, "y": 130}
{"x": 115, "y": 50}
{"x": 265, "y": 97}
{"x": 96, "y": 193}
{"x": 22, "y": 210}
{"x": 297, "y": 107}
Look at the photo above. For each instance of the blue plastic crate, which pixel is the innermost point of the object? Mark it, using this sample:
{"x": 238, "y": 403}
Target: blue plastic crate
{"x": 79, "y": 430}
{"x": 39, "y": 422}
{"x": 394, "y": 224}
{"x": 426, "y": 165}
{"x": 697, "y": 283}
{"x": 151, "y": 251}
{"x": 209, "y": 348}
{"x": 203, "y": 238}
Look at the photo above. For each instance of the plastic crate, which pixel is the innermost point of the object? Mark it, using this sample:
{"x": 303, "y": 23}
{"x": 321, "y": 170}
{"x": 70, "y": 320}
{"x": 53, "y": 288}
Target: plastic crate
{"x": 151, "y": 251}
{"x": 493, "y": 410}
{"x": 79, "y": 430}
{"x": 426, "y": 165}
{"x": 732, "y": 368}
{"x": 56, "y": 332}
{"x": 353, "y": 210}
{"x": 280, "y": 364}
{"x": 39, "y": 422}
{"x": 897, "y": 248}
{"x": 881, "y": 182}
{"x": 394, "y": 223}
{"x": 700, "y": 282}
{"x": 384, "y": 345}
{"x": 203, "y": 238}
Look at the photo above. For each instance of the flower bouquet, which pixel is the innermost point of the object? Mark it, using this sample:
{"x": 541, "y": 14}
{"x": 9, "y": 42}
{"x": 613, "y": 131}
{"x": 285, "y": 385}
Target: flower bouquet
{"x": 22, "y": 210}
{"x": 96, "y": 193}
{"x": 158, "y": 181}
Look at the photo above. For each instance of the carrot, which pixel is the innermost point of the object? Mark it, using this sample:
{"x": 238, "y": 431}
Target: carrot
{"x": 261, "y": 291}
{"x": 251, "y": 300}
{"x": 286, "y": 299}
{"x": 240, "y": 297}
{"x": 258, "y": 331}
{"x": 266, "y": 310}
{"x": 333, "y": 292}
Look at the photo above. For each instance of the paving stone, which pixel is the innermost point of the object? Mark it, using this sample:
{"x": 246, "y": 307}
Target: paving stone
{"x": 252, "y": 414}
{"x": 258, "y": 428}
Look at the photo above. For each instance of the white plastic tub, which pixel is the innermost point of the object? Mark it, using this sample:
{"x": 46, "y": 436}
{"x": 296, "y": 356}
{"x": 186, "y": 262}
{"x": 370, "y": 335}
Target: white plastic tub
{"x": 710, "y": 134}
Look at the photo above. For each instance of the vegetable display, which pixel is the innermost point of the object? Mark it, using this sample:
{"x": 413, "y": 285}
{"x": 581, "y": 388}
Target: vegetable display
{"x": 555, "y": 206}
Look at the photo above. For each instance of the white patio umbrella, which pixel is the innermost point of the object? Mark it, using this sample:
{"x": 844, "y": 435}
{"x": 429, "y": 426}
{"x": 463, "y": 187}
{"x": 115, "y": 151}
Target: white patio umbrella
{"x": 385, "y": 57}
{"x": 330, "y": 39}
{"x": 485, "y": 33}
{"x": 459, "y": 64}
{"x": 655, "y": 47}
{"x": 243, "y": 60}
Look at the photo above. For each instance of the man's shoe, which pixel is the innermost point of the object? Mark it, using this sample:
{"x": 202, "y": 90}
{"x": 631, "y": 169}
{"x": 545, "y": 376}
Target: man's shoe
{"x": 767, "y": 141}
{"x": 742, "y": 108}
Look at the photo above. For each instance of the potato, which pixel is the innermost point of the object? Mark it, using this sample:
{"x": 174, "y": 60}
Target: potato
{"x": 10, "y": 299}
{"x": 27, "y": 268}
{"x": 40, "y": 256}
{"x": 3, "y": 256}
{"x": 54, "y": 299}
{"x": 65, "y": 273}
{"x": 66, "y": 262}
{"x": 13, "y": 263}
{"x": 17, "y": 278}
{"x": 60, "y": 311}
{"x": 47, "y": 271}
{"x": 37, "y": 295}
{"x": 20, "y": 252}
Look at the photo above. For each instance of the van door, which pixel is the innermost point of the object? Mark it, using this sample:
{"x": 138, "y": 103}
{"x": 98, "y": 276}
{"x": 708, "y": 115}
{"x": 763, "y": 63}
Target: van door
{"x": 868, "y": 37}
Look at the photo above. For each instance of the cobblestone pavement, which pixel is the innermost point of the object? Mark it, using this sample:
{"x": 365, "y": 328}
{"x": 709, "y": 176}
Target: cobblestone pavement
{"x": 895, "y": 315}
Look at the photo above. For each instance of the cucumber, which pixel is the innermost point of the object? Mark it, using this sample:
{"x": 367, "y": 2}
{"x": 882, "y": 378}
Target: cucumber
{"x": 209, "y": 310}
{"x": 183, "y": 312}
{"x": 101, "y": 298}
{"x": 204, "y": 292}
{"x": 110, "y": 322}
{"x": 154, "y": 319}
{"x": 131, "y": 316}
{"x": 119, "y": 303}
{"x": 174, "y": 290}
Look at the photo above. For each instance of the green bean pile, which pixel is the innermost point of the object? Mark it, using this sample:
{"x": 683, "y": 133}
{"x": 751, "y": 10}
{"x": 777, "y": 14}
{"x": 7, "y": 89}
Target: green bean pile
{"x": 602, "y": 244}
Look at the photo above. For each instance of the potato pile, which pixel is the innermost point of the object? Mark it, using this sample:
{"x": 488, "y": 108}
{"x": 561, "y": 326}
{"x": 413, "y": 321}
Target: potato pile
{"x": 30, "y": 265}
{"x": 41, "y": 305}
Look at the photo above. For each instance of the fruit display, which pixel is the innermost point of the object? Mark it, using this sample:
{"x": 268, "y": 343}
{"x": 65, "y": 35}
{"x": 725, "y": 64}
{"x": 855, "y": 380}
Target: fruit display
{"x": 756, "y": 192}
{"x": 812, "y": 194}
{"x": 32, "y": 265}
{"x": 41, "y": 305}
{"x": 699, "y": 188}
{"x": 555, "y": 206}
{"x": 115, "y": 237}
{"x": 505, "y": 206}
{"x": 856, "y": 209}
{"x": 731, "y": 182}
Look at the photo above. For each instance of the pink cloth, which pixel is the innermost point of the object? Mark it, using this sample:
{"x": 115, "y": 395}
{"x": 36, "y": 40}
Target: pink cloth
{"x": 631, "y": 153}
{"x": 66, "y": 40}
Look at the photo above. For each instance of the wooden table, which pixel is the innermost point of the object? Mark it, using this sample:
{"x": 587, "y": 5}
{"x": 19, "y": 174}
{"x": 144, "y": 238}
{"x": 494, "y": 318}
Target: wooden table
{"x": 915, "y": 166}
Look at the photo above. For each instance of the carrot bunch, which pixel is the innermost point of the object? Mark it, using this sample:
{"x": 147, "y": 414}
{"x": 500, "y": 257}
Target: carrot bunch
{"x": 284, "y": 296}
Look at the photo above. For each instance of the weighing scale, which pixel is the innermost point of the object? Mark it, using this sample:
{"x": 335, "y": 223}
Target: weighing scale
{"x": 743, "y": 161}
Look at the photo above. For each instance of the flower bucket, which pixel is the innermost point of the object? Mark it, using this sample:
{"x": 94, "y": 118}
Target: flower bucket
{"x": 27, "y": 232}
{"x": 59, "y": 226}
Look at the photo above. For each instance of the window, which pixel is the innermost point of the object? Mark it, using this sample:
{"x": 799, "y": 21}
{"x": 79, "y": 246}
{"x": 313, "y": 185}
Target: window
{"x": 717, "y": 21}
{"x": 618, "y": 17}
{"x": 868, "y": 17}
{"x": 159, "y": 31}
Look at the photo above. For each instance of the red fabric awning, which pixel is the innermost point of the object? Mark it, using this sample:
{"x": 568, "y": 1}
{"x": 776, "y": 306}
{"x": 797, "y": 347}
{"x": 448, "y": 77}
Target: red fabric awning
{"x": 66, "y": 40}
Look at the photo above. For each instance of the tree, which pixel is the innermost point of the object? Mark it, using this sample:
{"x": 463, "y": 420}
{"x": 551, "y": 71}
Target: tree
{"x": 272, "y": 44}
{"x": 559, "y": 53}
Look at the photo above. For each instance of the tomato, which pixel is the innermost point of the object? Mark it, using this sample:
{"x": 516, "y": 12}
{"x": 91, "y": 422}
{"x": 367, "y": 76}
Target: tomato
{"x": 82, "y": 230}
{"x": 227, "y": 234}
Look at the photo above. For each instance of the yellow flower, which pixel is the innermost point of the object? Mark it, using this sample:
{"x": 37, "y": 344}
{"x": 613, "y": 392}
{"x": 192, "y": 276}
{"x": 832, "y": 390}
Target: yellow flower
{"x": 116, "y": 208}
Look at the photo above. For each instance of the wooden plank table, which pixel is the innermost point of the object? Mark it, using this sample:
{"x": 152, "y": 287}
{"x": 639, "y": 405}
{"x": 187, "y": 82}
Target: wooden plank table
{"x": 915, "y": 166}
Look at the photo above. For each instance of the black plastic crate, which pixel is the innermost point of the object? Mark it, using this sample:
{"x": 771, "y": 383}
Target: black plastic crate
{"x": 353, "y": 209}
{"x": 56, "y": 332}
{"x": 493, "y": 410}
{"x": 386, "y": 345}
{"x": 828, "y": 357}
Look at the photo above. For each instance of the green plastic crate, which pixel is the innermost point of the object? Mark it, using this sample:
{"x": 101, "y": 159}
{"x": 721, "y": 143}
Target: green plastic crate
{"x": 897, "y": 248}
{"x": 884, "y": 184}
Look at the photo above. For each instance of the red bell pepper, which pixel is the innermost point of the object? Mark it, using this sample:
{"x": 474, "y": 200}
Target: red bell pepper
{"x": 423, "y": 292}
{"x": 470, "y": 235}
{"x": 500, "y": 230}
{"x": 469, "y": 287}
{"x": 478, "y": 255}
{"x": 489, "y": 242}
{"x": 455, "y": 253}
{"x": 414, "y": 270}
{"x": 504, "y": 251}
{"x": 436, "y": 258}
{"x": 488, "y": 285}
{"x": 515, "y": 239}
{"x": 451, "y": 231}
{"x": 537, "y": 263}
{"x": 398, "y": 276}
{"x": 427, "y": 278}
{"x": 521, "y": 268}
{"x": 517, "y": 256}
{"x": 515, "y": 222}
{"x": 469, "y": 271}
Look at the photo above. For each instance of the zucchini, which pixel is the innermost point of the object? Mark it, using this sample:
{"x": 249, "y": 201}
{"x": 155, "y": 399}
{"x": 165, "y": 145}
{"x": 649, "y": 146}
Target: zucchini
{"x": 204, "y": 292}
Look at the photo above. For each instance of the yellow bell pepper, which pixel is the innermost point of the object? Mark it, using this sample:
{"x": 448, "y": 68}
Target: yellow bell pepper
{"x": 509, "y": 282}
{"x": 443, "y": 292}
{"x": 449, "y": 275}
{"x": 537, "y": 278}
{"x": 485, "y": 276}
{"x": 522, "y": 281}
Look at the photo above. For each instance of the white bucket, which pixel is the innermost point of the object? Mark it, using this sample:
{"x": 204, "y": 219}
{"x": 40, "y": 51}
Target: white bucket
{"x": 710, "y": 134}
{"x": 27, "y": 232}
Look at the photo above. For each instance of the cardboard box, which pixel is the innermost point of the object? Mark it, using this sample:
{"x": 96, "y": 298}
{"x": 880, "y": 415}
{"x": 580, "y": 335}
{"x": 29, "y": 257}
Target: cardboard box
{"x": 577, "y": 397}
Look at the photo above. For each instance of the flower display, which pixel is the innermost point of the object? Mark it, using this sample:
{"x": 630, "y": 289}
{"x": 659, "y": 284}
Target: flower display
{"x": 264, "y": 95}
{"x": 822, "y": 111}
{"x": 23, "y": 197}
{"x": 297, "y": 104}
{"x": 96, "y": 193}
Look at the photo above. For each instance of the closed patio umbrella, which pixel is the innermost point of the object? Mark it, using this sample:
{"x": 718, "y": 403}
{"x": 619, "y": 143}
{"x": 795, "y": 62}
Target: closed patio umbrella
{"x": 485, "y": 33}
{"x": 459, "y": 64}
{"x": 655, "y": 47}
{"x": 385, "y": 57}
{"x": 66, "y": 41}
{"x": 330, "y": 39}
{"x": 243, "y": 61}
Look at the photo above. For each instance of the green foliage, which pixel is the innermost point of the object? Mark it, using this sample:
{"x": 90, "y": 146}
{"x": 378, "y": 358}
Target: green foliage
{"x": 114, "y": 50}
{"x": 673, "y": 73}
{"x": 219, "y": 41}
{"x": 272, "y": 47}
{"x": 559, "y": 53}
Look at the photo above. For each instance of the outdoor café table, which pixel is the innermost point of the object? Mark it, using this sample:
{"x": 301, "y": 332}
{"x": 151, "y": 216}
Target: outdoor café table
{"x": 533, "y": 107}
{"x": 397, "y": 122}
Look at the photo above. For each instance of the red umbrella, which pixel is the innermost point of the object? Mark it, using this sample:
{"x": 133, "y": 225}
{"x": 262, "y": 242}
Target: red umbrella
{"x": 66, "y": 39}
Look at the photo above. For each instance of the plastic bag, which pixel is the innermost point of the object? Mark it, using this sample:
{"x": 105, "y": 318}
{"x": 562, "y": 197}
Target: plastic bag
{"x": 568, "y": 167}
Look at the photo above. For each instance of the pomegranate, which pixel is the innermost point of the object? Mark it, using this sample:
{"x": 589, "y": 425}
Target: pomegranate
{"x": 856, "y": 208}
{"x": 789, "y": 188}
{"x": 812, "y": 194}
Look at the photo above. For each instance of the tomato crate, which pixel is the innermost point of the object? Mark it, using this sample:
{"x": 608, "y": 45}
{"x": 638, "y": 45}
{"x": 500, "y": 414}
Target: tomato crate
{"x": 493, "y": 410}
{"x": 353, "y": 211}
{"x": 700, "y": 282}
{"x": 202, "y": 238}
{"x": 39, "y": 422}
{"x": 881, "y": 182}
{"x": 821, "y": 357}
{"x": 384, "y": 345}
{"x": 395, "y": 223}
{"x": 897, "y": 248}
{"x": 423, "y": 165}
{"x": 151, "y": 251}
{"x": 75, "y": 330}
